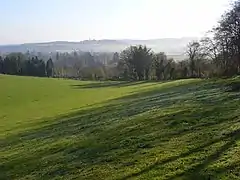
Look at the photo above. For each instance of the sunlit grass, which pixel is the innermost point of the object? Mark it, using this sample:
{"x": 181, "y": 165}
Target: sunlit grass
{"x": 54, "y": 128}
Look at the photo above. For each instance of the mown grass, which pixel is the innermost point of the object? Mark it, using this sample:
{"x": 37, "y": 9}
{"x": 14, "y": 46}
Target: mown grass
{"x": 62, "y": 129}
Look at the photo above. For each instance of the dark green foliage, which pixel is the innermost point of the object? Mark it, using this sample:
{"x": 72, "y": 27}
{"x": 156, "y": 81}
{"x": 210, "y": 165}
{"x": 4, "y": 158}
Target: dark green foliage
{"x": 9, "y": 66}
{"x": 18, "y": 64}
{"x": 137, "y": 60}
{"x": 34, "y": 67}
{"x": 49, "y": 68}
{"x": 1, "y": 65}
{"x": 159, "y": 65}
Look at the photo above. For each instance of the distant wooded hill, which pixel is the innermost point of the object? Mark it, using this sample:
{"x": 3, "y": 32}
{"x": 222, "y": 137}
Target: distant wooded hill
{"x": 173, "y": 47}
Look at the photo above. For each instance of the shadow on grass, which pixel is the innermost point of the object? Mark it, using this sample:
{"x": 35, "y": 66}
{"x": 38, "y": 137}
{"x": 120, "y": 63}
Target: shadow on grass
{"x": 121, "y": 139}
{"x": 105, "y": 84}
{"x": 233, "y": 87}
{"x": 193, "y": 172}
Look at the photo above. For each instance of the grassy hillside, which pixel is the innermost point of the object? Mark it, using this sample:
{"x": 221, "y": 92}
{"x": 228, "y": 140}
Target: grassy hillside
{"x": 62, "y": 129}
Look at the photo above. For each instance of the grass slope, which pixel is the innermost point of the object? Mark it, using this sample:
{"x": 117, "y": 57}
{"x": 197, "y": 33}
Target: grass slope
{"x": 62, "y": 129}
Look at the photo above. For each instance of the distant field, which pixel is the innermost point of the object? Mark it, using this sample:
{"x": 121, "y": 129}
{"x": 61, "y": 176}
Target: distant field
{"x": 64, "y": 129}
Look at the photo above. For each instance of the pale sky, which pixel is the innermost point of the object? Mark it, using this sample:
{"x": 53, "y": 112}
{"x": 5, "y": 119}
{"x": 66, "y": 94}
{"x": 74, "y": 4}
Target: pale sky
{"x": 24, "y": 21}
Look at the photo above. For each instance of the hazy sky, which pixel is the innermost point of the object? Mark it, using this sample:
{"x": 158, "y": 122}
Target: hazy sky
{"x": 74, "y": 20}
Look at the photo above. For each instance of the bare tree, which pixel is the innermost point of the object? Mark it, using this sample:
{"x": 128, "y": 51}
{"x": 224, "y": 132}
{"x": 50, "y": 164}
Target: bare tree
{"x": 193, "y": 51}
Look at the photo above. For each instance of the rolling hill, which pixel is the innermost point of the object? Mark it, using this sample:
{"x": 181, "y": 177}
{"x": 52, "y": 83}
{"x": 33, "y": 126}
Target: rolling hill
{"x": 172, "y": 46}
{"x": 66, "y": 129}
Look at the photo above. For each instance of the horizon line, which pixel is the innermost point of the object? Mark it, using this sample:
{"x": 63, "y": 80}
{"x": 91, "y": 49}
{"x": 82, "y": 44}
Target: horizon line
{"x": 123, "y": 39}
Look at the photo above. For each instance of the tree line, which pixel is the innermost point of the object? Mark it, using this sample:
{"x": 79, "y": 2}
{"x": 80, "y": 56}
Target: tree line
{"x": 216, "y": 55}
{"x": 19, "y": 64}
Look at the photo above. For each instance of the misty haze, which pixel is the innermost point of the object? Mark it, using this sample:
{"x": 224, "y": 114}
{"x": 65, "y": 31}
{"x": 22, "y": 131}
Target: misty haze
{"x": 120, "y": 89}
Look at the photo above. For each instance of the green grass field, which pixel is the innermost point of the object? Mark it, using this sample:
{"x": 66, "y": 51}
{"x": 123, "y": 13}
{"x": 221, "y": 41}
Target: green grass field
{"x": 64, "y": 129}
